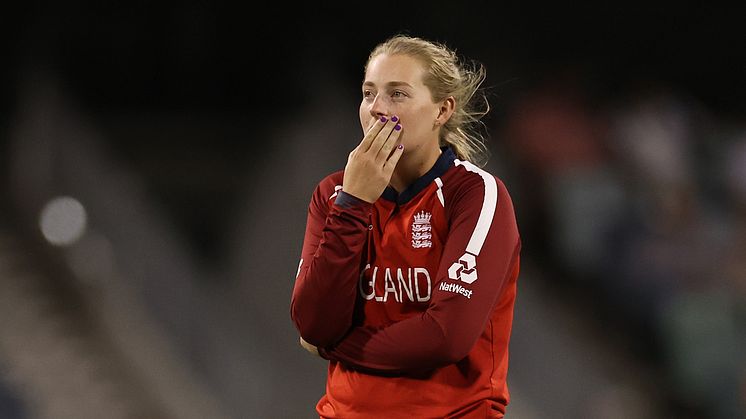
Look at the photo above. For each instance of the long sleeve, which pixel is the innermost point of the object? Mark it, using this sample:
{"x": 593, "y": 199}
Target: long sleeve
{"x": 481, "y": 257}
{"x": 325, "y": 288}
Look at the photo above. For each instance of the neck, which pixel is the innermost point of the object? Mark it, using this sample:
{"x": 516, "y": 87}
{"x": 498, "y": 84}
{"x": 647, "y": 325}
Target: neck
{"x": 413, "y": 165}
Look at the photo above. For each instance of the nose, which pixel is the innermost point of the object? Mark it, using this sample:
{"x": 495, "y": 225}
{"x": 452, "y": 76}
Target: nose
{"x": 378, "y": 107}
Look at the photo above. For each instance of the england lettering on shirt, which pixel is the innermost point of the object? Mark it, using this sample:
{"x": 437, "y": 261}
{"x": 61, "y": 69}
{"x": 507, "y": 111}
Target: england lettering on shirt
{"x": 413, "y": 284}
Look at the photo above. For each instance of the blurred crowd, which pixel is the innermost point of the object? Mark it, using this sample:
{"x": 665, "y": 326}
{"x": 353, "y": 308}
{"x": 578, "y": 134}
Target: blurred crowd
{"x": 638, "y": 203}
{"x": 165, "y": 124}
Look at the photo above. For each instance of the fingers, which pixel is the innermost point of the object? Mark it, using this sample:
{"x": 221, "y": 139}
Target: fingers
{"x": 310, "y": 348}
{"x": 386, "y": 139}
{"x": 390, "y": 165}
{"x": 374, "y": 128}
{"x": 371, "y": 122}
{"x": 371, "y": 164}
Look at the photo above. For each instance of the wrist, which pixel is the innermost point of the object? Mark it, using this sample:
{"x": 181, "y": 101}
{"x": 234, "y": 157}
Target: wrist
{"x": 348, "y": 200}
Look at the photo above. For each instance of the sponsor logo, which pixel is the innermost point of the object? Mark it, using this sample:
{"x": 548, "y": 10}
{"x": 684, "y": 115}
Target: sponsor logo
{"x": 465, "y": 269}
{"x": 422, "y": 230}
{"x": 455, "y": 288}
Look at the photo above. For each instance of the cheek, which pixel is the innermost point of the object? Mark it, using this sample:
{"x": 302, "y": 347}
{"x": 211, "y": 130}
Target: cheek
{"x": 412, "y": 123}
{"x": 410, "y": 136}
{"x": 364, "y": 117}
{"x": 417, "y": 128}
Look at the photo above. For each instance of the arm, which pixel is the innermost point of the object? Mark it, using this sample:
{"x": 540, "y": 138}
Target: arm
{"x": 325, "y": 288}
{"x": 447, "y": 331}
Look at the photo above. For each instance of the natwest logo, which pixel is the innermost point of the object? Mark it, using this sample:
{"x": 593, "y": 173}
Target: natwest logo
{"x": 465, "y": 269}
{"x": 455, "y": 288}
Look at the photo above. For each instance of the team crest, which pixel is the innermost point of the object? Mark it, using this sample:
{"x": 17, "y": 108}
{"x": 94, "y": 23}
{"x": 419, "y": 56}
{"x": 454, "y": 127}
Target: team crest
{"x": 422, "y": 231}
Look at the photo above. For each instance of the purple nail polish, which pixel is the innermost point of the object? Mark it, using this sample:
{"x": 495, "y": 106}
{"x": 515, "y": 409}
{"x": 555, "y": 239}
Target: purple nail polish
{"x": 397, "y": 127}
{"x": 394, "y": 118}
{"x": 383, "y": 119}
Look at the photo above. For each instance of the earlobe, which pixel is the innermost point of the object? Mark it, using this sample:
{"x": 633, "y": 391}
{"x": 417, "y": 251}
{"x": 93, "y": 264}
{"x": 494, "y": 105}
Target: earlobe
{"x": 445, "y": 111}
{"x": 436, "y": 122}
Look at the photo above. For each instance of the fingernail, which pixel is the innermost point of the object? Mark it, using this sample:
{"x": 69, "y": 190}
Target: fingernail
{"x": 394, "y": 118}
{"x": 397, "y": 127}
{"x": 401, "y": 146}
{"x": 383, "y": 119}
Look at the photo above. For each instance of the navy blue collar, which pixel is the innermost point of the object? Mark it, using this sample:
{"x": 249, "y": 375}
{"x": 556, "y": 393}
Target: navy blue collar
{"x": 445, "y": 160}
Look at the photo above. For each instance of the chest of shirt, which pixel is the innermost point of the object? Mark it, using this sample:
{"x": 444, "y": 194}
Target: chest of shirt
{"x": 404, "y": 249}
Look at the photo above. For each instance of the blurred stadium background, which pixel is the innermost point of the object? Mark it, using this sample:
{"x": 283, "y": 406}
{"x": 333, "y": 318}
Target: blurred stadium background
{"x": 157, "y": 161}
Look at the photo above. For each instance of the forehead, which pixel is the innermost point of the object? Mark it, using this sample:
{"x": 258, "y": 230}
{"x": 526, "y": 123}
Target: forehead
{"x": 385, "y": 68}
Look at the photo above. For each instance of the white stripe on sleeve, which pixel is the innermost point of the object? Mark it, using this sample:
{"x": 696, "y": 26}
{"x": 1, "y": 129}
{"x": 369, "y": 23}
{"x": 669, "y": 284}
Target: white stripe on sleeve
{"x": 488, "y": 207}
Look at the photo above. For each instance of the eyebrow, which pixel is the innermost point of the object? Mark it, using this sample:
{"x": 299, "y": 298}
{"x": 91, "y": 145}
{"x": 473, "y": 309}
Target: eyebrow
{"x": 389, "y": 84}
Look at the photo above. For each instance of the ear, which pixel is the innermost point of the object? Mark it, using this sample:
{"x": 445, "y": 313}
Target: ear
{"x": 447, "y": 106}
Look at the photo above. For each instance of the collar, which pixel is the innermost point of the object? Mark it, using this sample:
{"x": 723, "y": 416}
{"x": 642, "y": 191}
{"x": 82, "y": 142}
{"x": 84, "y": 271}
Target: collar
{"x": 445, "y": 160}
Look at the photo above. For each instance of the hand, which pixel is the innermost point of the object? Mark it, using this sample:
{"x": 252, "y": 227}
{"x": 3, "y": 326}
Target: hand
{"x": 310, "y": 348}
{"x": 371, "y": 164}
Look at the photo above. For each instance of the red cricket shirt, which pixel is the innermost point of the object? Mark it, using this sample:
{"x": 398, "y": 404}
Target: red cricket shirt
{"x": 411, "y": 298}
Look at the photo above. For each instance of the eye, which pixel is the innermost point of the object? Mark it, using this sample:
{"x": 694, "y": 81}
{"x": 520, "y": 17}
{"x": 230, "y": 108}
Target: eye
{"x": 367, "y": 94}
{"x": 398, "y": 94}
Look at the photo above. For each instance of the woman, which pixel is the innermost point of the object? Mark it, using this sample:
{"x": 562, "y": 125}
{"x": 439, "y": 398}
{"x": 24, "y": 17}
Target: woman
{"x": 408, "y": 270}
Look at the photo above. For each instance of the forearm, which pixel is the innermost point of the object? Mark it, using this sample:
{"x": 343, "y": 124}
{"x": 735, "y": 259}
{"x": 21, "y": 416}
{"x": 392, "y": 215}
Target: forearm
{"x": 411, "y": 345}
{"x": 323, "y": 299}
{"x": 444, "y": 334}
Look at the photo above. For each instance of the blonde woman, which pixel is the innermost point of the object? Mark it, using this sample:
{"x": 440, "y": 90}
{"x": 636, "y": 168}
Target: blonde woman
{"x": 407, "y": 277}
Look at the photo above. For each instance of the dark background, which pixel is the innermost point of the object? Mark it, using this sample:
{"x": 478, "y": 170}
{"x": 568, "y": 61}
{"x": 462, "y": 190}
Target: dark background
{"x": 207, "y": 105}
{"x": 255, "y": 64}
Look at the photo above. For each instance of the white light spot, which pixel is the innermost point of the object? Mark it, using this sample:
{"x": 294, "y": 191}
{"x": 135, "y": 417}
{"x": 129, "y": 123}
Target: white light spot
{"x": 63, "y": 221}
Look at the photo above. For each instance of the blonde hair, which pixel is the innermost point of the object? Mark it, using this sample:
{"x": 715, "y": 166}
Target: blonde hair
{"x": 446, "y": 75}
